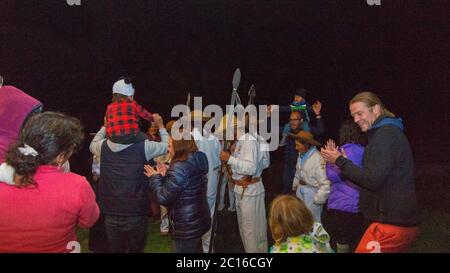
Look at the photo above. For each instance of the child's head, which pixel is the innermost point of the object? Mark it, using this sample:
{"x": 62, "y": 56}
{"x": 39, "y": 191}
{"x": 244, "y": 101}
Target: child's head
{"x": 123, "y": 89}
{"x": 351, "y": 133}
{"x": 300, "y": 95}
{"x": 289, "y": 217}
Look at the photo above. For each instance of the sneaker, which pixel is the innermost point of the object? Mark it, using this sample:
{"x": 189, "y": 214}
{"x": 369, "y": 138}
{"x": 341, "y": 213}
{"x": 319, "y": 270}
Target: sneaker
{"x": 232, "y": 209}
{"x": 220, "y": 207}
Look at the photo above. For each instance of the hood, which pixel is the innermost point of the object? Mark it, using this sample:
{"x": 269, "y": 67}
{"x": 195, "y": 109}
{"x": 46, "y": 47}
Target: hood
{"x": 15, "y": 107}
{"x": 397, "y": 122}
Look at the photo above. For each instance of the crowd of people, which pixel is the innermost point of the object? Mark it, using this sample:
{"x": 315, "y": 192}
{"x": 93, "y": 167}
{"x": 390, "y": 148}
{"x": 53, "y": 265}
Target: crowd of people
{"x": 358, "y": 196}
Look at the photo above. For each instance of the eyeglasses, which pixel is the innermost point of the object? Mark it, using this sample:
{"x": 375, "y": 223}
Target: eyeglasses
{"x": 294, "y": 119}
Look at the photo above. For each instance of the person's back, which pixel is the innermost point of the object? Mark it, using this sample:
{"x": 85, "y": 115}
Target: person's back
{"x": 42, "y": 218}
{"x": 343, "y": 194}
{"x": 316, "y": 241}
{"x": 189, "y": 209}
{"x": 42, "y": 206}
{"x": 343, "y": 219}
{"x": 293, "y": 228}
{"x": 123, "y": 113}
{"x": 123, "y": 188}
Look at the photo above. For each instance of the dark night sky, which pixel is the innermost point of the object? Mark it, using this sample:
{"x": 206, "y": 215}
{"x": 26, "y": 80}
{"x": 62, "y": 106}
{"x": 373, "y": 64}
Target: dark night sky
{"x": 69, "y": 57}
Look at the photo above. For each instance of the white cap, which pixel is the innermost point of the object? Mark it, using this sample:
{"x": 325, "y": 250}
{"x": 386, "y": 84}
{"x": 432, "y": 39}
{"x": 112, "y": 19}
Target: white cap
{"x": 123, "y": 88}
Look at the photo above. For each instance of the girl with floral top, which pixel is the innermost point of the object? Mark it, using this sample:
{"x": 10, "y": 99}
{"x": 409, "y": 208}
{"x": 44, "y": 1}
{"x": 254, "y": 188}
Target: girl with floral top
{"x": 293, "y": 228}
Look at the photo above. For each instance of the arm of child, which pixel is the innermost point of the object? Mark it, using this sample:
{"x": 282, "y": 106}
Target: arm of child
{"x": 143, "y": 113}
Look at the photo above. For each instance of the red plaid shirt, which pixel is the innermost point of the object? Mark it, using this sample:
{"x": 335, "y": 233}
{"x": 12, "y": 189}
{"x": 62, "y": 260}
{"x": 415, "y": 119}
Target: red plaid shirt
{"x": 122, "y": 118}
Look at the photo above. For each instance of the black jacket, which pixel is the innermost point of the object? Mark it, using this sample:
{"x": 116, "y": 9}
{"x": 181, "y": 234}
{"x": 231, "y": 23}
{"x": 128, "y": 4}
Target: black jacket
{"x": 386, "y": 177}
{"x": 183, "y": 192}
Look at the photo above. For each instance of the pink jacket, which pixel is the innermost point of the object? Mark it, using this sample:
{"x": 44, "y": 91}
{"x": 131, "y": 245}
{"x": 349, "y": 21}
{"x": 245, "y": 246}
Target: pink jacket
{"x": 44, "y": 218}
{"x": 15, "y": 106}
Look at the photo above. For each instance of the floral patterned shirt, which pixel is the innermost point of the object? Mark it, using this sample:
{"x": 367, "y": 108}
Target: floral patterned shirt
{"x": 317, "y": 241}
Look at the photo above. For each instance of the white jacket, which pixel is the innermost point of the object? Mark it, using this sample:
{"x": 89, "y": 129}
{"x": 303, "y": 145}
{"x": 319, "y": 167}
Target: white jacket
{"x": 311, "y": 169}
{"x": 249, "y": 158}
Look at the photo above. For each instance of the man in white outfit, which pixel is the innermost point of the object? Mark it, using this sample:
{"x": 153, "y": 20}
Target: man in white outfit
{"x": 247, "y": 162}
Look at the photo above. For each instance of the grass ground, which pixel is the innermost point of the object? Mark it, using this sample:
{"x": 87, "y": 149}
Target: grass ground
{"x": 433, "y": 193}
{"x": 156, "y": 243}
{"x": 434, "y": 237}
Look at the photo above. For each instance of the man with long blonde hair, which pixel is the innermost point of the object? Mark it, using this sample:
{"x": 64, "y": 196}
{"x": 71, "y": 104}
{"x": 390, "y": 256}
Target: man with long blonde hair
{"x": 388, "y": 198}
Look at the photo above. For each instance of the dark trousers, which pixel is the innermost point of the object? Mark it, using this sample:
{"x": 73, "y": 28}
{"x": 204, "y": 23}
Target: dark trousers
{"x": 343, "y": 227}
{"x": 98, "y": 241}
{"x": 126, "y": 233}
{"x": 187, "y": 246}
{"x": 288, "y": 177}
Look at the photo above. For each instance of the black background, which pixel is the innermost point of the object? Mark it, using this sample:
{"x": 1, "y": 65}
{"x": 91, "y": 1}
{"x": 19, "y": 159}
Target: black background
{"x": 69, "y": 56}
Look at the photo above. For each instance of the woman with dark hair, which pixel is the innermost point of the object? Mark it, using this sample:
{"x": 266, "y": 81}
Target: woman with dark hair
{"x": 182, "y": 189}
{"x": 40, "y": 211}
{"x": 343, "y": 219}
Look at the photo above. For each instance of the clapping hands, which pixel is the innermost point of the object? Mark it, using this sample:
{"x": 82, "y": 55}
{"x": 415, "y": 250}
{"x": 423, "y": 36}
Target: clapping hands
{"x": 330, "y": 152}
{"x": 159, "y": 169}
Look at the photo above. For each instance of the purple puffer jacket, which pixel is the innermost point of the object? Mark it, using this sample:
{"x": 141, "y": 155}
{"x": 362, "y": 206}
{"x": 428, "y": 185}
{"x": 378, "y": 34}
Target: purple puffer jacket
{"x": 15, "y": 106}
{"x": 344, "y": 195}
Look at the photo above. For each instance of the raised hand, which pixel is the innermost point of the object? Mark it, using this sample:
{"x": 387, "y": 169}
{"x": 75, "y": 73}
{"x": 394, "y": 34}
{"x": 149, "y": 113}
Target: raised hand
{"x": 330, "y": 155}
{"x": 330, "y": 152}
{"x": 331, "y": 145}
{"x": 158, "y": 121}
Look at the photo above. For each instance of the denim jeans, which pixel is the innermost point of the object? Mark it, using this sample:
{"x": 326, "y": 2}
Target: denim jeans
{"x": 126, "y": 233}
{"x": 187, "y": 246}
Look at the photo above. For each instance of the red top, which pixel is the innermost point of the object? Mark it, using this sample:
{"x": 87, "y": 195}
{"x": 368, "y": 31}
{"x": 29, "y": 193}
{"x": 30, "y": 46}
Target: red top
{"x": 44, "y": 218}
{"x": 122, "y": 118}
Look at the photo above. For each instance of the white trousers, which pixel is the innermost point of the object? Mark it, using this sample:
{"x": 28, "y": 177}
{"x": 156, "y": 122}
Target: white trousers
{"x": 306, "y": 194}
{"x": 213, "y": 181}
{"x": 251, "y": 216}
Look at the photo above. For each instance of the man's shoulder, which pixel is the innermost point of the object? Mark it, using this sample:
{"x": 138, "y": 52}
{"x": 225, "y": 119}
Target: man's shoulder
{"x": 387, "y": 131}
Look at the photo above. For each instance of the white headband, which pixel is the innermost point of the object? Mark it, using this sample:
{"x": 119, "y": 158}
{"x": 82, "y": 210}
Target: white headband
{"x": 28, "y": 150}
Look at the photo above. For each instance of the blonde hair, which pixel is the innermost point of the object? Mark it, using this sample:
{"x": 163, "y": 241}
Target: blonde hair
{"x": 370, "y": 100}
{"x": 289, "y": 217}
